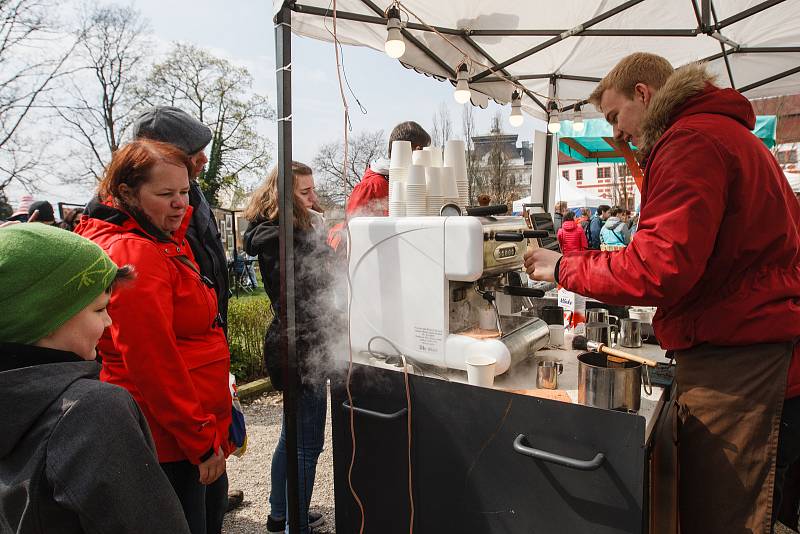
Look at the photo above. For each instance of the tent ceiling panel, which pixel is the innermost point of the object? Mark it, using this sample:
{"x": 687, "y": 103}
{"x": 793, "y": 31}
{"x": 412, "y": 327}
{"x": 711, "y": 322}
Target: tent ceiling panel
{"x": 506, "y": 29}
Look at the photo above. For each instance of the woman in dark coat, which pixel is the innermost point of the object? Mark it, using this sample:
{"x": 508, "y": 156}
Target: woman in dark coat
{"x": 312, "y": 305}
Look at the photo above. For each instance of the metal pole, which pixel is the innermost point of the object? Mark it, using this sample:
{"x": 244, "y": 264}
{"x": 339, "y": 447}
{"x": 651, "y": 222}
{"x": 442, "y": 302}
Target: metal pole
{"x": 283, "y": 60}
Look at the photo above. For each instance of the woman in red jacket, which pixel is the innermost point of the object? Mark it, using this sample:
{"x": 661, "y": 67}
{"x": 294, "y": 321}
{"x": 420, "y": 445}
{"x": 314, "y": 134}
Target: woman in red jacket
{"x": 166, "y": 345}
{"x": 571, "y": 235}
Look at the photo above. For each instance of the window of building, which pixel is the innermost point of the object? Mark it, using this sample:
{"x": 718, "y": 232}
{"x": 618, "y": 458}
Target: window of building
{"x": 579, "y": 174}
{"x": 604, "y": 172}
{"x": 787, "y": 156}
{"x": 565, "y": 174}
{"x": 623, "y": 170}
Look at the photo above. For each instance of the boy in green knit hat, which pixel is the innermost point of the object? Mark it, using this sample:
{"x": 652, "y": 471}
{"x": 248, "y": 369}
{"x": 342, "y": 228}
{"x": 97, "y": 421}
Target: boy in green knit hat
{"x": 76, "y": 454}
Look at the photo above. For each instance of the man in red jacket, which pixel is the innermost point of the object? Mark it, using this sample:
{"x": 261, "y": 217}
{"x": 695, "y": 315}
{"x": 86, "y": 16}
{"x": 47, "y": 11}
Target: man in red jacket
{"x": 725, "y": 280}
{"x": 370, "y": 197}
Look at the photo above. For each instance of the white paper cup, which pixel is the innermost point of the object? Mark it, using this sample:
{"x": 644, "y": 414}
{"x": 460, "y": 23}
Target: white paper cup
{"x": 433, "y": 177}
{"x": 449, "y": 185}
{"x": 416, "y": 176}
{"x": 421, "y": 157}
{"x": 435, "y": 155}
{"x": 480, "y": 370}
{"x": 401, "y": 155}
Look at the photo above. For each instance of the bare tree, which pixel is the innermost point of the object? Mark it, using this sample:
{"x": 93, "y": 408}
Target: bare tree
{"x": 335, "y": 185}
{"x": 497, "y": 176}
{"x": 32, "y": 57}
{"x": 220, "y": 95}
{"x": 442, "y": 126}
{"x": 474, "y": 177}
{"x": 102, "y": 97}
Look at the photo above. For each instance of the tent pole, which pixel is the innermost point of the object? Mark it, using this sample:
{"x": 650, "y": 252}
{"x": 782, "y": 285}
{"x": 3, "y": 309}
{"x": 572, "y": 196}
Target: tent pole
{"x": 283, "y": 60}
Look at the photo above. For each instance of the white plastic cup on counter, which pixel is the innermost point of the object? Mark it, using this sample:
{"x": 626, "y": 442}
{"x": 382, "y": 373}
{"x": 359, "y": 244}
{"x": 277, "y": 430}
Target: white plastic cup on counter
{"x": 421, "y": 157}
{"x": 480, "y": 370}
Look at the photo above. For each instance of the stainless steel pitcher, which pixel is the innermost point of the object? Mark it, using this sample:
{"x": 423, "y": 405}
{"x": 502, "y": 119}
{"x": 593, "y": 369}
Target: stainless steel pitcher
{"x": 630, "y": 333}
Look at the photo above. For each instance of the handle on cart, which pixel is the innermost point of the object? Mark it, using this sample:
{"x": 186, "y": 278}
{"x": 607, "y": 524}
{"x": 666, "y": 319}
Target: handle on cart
{"x": 508, "y": 236}
{"x": 485, "y": 211}
{"x": 377, "y": 415}
{"x": 566, "y": 461}
{"x": 515, "y": 291}
{"x": 535, "y": 234}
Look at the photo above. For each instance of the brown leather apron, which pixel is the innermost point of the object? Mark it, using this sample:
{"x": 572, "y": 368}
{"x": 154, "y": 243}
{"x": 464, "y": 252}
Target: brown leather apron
{"x": 729, "y": 410}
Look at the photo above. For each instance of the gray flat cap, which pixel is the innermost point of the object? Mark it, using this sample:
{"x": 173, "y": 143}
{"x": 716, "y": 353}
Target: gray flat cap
{"x": 174, "y": 126}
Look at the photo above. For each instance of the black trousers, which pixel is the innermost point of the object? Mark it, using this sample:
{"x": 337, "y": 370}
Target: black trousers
{"x": 203, "y": 506}
{"x": 788, "y": 456}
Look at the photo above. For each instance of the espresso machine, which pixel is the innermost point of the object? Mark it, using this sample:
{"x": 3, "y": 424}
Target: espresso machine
{"x": 441, "y": 289}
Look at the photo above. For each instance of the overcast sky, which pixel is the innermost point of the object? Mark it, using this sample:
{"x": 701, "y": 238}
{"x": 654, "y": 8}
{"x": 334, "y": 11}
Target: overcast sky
{"x": 242, "y": 31}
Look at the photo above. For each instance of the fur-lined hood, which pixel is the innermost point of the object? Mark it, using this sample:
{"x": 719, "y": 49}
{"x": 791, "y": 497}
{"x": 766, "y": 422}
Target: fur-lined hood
{"x": 696, "y": 83}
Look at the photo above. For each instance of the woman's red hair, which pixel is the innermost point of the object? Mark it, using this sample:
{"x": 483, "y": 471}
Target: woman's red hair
{"x": 131, "y": 165}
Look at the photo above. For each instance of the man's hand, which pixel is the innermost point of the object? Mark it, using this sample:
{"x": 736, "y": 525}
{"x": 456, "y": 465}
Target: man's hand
{"x": 212, "y": 469}
{"x": 540, "y": 264}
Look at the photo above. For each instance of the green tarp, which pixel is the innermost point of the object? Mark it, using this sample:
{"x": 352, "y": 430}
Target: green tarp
{"x": 591, "y": 139}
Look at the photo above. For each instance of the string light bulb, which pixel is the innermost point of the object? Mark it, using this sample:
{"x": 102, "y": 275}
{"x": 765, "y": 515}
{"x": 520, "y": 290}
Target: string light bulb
{"x": 395, "y": 46}
{"x": 516, "y": 119}
{"x": 462, "y": 93}
{"x": 577, "y": 119}
{"x": 553, "y": 124}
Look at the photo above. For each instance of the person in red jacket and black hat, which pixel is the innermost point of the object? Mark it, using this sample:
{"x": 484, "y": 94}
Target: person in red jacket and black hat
{"x": 727, "y": 290}
{"x": 166, "y": 345}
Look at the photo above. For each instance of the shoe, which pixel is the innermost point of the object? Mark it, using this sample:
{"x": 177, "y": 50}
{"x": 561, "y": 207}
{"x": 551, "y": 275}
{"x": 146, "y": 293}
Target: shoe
{"x": 235, "y": 500}
{"x": 315, "y": 519}
{"x": 278, "y": 526}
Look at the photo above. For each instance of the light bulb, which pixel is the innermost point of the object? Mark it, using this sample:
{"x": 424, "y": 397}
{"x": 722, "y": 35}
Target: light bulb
{"x": 516, "y": 119}
{"x": 395, "y": 46}
{"x": 553, "y": 126}
{"x": 462, "y": 93}
{"x": 577, "y": 124}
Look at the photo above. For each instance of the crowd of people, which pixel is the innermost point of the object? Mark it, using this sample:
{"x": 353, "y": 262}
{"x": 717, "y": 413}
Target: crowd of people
{"x": 114, "y": 367}
{"x": 608, "y": 229}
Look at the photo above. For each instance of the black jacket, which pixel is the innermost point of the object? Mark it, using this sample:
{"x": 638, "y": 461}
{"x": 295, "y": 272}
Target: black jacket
{"x": 316, "y": 322}
{"x": 206, "y": 243}
{"x": 75, "y": 453}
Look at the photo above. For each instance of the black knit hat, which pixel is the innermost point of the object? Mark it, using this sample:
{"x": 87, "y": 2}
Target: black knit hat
{"x": 46, "y": 213}
{"x": 174, "y": 126}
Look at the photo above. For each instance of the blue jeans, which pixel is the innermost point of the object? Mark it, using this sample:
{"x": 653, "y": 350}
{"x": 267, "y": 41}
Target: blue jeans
{"x": 312, "y": 405}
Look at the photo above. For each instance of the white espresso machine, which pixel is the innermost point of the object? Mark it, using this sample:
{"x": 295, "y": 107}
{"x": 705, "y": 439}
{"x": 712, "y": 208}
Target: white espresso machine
{"x": 423, "y": 287}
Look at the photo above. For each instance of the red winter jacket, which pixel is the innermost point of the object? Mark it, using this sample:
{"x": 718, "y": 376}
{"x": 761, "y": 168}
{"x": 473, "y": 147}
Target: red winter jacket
{"x": 370, "y": 197}
{"x": 572, "y": 238}
{"x": 717, "y": 247}
{"x": 165, "y": 345}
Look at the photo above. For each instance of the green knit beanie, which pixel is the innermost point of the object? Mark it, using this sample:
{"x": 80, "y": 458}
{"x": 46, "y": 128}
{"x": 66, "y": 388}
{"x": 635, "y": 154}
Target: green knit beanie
{"x": 47, "y": 275}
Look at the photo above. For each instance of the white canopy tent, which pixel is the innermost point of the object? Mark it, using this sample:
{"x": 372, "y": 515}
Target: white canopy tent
{"x": 561, "y": 49}
{"x": 575, "y": 197}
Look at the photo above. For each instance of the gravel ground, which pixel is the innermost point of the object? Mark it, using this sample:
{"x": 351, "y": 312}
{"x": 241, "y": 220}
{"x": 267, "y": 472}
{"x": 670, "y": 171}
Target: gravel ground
{"x": 251, "y": 472}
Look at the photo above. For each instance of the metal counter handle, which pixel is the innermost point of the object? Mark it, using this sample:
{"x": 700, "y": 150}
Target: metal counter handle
{"x": 377, "y": 415}
{"x": 583, "y": 465}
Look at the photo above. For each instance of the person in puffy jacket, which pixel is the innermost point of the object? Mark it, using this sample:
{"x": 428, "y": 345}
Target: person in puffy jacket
{"x": 166, "y": 345}
{"x": 76, "y": 455}
{"x": 615, "y": 232}
{"x": 571, "y": 235}
{"x": 315, "y": 324}
{"x": 728, "y": 306}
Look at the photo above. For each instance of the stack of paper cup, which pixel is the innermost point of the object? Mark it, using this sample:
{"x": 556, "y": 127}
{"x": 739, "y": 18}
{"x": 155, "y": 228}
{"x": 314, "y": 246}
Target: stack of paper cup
{"x": 416, "y": 192}
{"x": 455, "y": 157}
{"x": 433, "y": 177}
{"x": 449, "y": 186}
{"x": 435, "y": 155}
{"x": 397, "y": 197}
{"x": 421, "y": 157}
{"x": 398, "y": 171}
